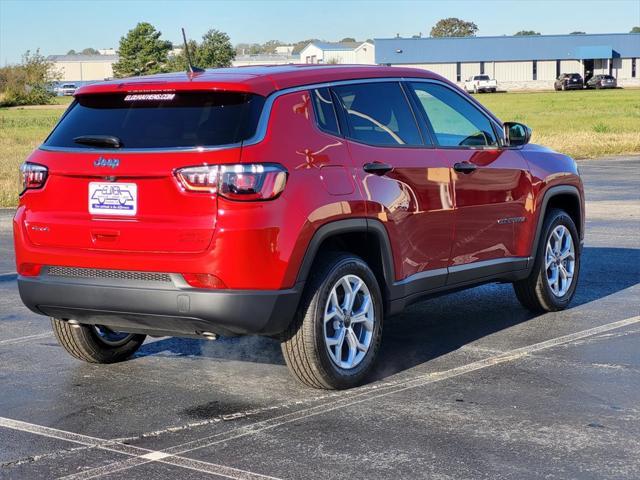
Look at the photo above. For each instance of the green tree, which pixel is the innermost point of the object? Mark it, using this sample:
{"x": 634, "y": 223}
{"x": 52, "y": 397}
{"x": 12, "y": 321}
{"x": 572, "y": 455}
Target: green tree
{"x": 270, "y": 46}
{"x": 454, "y": 27}
{"x": 29, "y": 83}
{"x": 178, "y": 62}
{"x": 524, "y": 33}
{"x": 298, "y": 46}
{"x": 635, "y": 30}
{"x": 142, "y": 52}
{"x": 577, "y": 33}
{"x": 90, "y": 51}
{"x": 348, "y": 40}
{"x": 72, "y": 52}
{"x": 215, "y": 51}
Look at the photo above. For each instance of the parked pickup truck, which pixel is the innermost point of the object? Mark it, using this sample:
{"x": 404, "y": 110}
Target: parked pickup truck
{"x": 480, "y": 83}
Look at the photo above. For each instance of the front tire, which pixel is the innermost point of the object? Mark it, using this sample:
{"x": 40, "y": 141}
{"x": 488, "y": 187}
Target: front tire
{"x": 552, "y": 283}
{"x": 95, "y": 344}
{"x": 335, "y": 337}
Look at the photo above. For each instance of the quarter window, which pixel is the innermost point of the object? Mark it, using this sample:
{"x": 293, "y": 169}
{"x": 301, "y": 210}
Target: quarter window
{"x": 379, "y": 114}
{"x": 325, "y": 113}
{"x": 454, "y": 120}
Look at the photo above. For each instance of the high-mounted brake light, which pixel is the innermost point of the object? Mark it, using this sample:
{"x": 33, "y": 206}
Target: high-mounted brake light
{"x": 33, "y": 176}
{"x": 245, "y": 182}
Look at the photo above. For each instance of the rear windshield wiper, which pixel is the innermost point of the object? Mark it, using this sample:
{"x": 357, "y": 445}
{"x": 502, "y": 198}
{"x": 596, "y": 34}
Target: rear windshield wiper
{"x": 99, "y": 141}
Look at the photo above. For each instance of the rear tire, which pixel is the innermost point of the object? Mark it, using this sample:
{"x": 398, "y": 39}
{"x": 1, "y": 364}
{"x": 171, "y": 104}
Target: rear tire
{"x": 333, "y": 341}
{"x": 538, "y": 292}
{"x": 85, "y": 342}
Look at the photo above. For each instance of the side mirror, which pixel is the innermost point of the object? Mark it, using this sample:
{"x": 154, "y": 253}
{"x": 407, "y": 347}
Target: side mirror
{"x": 516, "y": 134}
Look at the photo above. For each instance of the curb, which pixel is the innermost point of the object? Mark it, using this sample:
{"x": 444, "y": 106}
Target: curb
{"x": 8, "y": 277}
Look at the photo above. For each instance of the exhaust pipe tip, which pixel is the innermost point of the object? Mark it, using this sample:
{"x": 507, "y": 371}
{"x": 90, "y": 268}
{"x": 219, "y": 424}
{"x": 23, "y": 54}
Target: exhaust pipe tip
{"x": 74, "y": 323}
{"x": 208, "y": 335}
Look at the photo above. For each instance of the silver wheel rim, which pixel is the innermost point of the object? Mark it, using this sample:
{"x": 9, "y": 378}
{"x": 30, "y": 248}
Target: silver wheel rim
{"x": 560, "y": 260}
{"x": 349, "y": 320}
{"x": 111, "y": 338}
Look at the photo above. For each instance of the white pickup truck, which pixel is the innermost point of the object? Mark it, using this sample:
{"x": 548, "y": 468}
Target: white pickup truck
{"x": 480, "y": 83}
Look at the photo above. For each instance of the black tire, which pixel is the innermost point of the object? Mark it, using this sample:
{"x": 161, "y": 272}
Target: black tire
{"x": 303, "y": 344}
{"x": 84, "y": 343}
{"x": 534, "y": 292}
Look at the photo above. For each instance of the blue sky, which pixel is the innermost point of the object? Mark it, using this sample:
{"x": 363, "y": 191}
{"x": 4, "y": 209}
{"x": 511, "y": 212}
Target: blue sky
{"x": 56, "y": 26}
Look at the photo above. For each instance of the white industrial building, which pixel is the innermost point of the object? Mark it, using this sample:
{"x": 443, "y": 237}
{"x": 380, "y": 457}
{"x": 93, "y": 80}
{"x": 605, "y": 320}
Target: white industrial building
{"x": 518, "y": 62}
{"x": 340, "y": 53}
{"x": 83, "y": 68}
{"x": 264, "y": 59}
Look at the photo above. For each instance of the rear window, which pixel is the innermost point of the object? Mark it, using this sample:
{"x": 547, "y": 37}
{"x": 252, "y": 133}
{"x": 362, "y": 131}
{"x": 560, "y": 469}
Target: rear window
{"x": 167, "y": 120}
{"x": 575, "y": 75}
{"x": 482, "y": 77}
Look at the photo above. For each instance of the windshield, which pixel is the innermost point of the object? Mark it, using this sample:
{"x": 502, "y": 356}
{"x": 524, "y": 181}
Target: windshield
{"x": 160, "y": 120}
{"x": 575, "y": 75}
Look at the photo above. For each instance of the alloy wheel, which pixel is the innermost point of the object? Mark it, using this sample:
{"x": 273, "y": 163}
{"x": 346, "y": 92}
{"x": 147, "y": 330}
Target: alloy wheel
{"x": 560, "y": 260}
{"x": 349, "y": 320}
{"x": 110, "y": 337}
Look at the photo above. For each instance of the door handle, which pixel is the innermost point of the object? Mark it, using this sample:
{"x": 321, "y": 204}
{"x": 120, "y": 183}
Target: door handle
{"x": 377, "y": 168}
{"x": 464, "y": 167}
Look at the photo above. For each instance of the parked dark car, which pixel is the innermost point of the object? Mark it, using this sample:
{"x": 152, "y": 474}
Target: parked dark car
{"x": 569, "y": 81}
{"x": 602, "y": 81}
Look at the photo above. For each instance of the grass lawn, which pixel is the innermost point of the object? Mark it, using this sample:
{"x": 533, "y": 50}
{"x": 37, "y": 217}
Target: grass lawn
{"x": 583, "y": 124}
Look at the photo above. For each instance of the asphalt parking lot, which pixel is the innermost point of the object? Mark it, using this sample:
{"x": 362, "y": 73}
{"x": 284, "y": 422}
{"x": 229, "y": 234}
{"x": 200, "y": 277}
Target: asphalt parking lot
{"x": 468, "y": 385}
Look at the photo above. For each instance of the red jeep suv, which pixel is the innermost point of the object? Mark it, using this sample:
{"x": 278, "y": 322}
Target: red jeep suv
{"x": 306, "y": 203}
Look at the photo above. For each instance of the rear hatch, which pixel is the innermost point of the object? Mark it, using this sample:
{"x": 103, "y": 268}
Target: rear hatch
{"x": 112, "y": 162}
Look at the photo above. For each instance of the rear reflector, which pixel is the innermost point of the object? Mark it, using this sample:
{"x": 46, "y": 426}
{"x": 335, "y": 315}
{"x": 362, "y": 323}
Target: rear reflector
{"x": 29, "y": 269}
{"x": 203, "y": 280}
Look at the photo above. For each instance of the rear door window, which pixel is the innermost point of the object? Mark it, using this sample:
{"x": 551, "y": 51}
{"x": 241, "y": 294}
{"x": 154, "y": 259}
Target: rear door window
{"x": 167, "y": 120}
{"x": 379, "y": 114}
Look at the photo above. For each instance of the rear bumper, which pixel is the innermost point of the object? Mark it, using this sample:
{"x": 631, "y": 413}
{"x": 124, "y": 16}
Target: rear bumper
{"x": 168, "y": 309}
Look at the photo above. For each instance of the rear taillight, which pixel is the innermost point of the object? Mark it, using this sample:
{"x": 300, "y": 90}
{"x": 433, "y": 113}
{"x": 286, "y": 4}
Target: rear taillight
{"x": 256, "y": 181}
{"x": 33, "y": 176}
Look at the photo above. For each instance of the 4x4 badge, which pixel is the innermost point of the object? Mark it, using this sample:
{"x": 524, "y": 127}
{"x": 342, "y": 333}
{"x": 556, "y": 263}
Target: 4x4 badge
{"x": 106, "y": 162}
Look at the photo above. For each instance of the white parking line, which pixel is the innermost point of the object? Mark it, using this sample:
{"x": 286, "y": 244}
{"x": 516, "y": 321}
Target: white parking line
{"x": 356, "y": 396}
{"x": 26, "y": 338}
{"x": 143, "y": 454}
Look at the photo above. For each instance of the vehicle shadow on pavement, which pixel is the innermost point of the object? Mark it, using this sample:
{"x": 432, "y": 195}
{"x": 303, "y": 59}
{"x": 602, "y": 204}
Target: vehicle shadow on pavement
{"x": 441, "y": 325}
{"x": 435, "y": 327}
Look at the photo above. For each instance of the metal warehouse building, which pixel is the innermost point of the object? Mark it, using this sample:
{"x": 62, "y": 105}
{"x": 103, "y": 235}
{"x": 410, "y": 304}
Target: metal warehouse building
{"x": 519, "y": 62}
{"x": 83, "y": 68}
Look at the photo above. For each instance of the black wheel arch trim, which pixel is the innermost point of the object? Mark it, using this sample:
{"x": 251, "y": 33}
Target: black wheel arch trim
{"x": 548, "y": 195}
{"x": 351, "y": 225}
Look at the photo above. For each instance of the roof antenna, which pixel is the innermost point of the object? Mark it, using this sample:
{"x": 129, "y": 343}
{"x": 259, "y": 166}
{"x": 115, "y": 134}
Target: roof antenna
{"x": 192, "y": 69}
